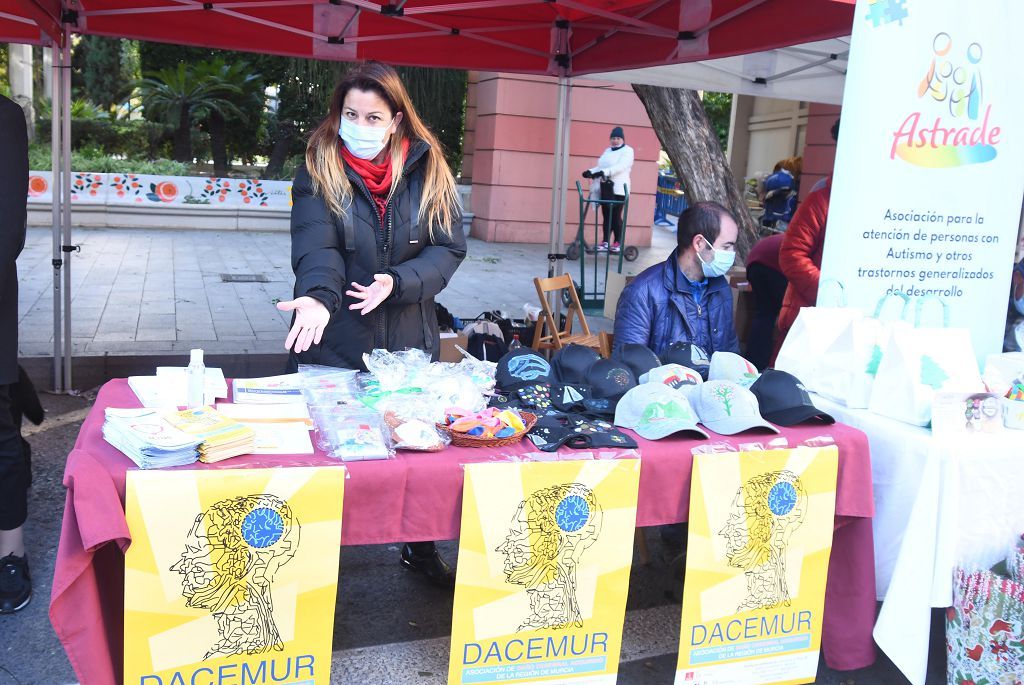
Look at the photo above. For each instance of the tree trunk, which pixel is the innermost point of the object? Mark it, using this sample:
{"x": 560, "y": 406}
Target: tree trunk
{"x": 218, "y": 144}
{"x": 686, "y": 134}
{"x": 183, "y": 137}
{"x": 283, "y": 139}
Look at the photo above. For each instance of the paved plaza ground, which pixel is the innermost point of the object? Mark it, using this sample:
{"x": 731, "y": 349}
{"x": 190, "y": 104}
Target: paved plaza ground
{"x": 141, "y": 292}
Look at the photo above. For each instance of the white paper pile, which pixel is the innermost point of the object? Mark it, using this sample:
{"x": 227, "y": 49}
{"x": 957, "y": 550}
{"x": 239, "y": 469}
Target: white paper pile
{"x": 147, "y": 439}
{"x": 168, "y": 389}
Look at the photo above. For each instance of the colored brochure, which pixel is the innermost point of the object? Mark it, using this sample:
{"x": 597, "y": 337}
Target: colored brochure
{"x": 222, "y": 437}
{"x": 269, "y": 390}
{"x": 278, "y": 428}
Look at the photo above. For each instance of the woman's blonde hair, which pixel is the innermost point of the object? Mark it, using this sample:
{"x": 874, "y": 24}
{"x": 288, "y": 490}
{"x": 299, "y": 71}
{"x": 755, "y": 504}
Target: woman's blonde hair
{"x": 440, "y": 200}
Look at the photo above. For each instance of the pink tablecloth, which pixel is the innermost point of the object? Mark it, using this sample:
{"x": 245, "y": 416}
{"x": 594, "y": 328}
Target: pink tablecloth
{"x": 419, "y": 497}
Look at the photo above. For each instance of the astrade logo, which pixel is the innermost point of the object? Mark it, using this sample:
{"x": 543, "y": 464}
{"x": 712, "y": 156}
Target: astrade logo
{"x": 954, "y": 126}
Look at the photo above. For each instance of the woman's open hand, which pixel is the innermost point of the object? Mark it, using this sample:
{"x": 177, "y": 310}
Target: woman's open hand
{"x": 370, "y": 296}
{"x": 311, "y": 317}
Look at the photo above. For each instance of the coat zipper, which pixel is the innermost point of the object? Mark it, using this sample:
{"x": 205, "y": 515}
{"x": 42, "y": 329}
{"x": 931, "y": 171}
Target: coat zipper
{"x": 384, "y": 259}
{"x": 381, "y": 336}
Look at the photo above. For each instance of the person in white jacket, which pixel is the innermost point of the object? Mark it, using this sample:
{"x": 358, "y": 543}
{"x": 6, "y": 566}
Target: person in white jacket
{"x": 612, "y": 171}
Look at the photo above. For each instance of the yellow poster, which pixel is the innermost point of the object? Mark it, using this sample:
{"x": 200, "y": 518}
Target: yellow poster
{"x": 543, "y": 573}
{"x": 231, "y": 576}
{"x": 760, "y": 536}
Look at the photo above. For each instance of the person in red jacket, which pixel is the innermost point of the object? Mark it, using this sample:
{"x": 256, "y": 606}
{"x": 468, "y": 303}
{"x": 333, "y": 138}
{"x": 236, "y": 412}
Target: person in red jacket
{"x": 800, "y": 257}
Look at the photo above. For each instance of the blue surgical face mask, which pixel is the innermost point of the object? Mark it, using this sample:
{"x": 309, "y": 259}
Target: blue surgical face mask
{"x": 720, "y": 263}
{"x": 365, "y": 142}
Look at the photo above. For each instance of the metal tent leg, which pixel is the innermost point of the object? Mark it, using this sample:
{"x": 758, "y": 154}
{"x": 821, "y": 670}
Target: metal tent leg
{"x": 559, "y": 177}
{"x": 66, "y": 206}
{"x": 56, "y": 109}
{"x": 556, "y": 245}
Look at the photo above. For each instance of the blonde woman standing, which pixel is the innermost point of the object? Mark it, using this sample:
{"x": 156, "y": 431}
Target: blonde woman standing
{"x": 376, "y": 227}
{"x": 376, "y": 234}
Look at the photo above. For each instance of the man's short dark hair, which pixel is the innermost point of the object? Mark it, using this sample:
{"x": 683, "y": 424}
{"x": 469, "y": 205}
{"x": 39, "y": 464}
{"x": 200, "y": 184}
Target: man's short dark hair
{"x": 700, "y": 218}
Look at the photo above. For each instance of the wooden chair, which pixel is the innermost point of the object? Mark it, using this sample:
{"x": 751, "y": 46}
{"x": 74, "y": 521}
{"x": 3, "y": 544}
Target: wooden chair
{"x": 552, "y": 338}
{"x": 607, "y": 341}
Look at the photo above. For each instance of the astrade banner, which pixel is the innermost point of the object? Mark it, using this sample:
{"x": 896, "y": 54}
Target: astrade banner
{"x": 544, "y": 559}
{"x": 760, "y": 536}
{"x": 231, "y": 576}
{"x": 926, "y": 197}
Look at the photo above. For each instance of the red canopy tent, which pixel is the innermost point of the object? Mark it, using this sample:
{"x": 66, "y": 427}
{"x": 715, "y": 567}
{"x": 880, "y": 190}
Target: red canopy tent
{"x": 559, "y": 37}
{"x": 562, "y": 38}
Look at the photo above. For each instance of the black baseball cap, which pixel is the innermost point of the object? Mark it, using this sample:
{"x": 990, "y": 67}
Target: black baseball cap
{"x": 639, "y": 358}
{"x": 578, "y": 432}
{"x": 610, "y": 379}
{"x": 570, "y": 364}
{"x": 784, "y": 400}
{"x": 521, "y": 367}
{"x": 689, "y": 355}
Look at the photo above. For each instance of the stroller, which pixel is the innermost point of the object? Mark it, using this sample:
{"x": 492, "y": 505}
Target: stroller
{"x": 780, "y": 198}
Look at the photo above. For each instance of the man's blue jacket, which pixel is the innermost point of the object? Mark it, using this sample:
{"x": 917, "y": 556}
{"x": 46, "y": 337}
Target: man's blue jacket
{"x": 658, "y": 308}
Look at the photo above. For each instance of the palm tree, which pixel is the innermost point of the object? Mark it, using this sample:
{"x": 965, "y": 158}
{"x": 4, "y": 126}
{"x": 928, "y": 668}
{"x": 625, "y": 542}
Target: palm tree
{"x": 179, "y": 95}
{"x": 247, "y": 97}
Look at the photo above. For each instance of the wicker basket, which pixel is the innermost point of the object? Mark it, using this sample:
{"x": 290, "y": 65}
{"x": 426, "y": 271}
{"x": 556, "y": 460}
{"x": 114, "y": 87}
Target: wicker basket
{"x": 464, "y": 440}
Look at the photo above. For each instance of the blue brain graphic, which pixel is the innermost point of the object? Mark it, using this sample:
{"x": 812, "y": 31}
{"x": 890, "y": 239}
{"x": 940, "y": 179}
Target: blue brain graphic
{"x": 782, "y": 498}
{"x": 529, "y": 367}
{"x": 572, "y": 513}
{"x": 262, "y": 527}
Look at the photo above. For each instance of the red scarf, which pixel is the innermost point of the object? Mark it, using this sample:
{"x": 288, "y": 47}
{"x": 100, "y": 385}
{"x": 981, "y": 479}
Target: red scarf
{"x": 377, "y": 177}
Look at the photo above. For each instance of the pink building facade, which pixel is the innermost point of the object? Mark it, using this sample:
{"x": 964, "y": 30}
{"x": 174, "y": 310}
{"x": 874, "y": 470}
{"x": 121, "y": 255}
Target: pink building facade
{"x": 509, "y": 154}
{"x": 819, "y": 148}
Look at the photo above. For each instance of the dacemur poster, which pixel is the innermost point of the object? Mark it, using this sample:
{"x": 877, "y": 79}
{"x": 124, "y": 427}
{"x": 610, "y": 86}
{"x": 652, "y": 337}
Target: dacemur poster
{"x": 760, "y": 536}
{"x": 231, "y": 577}
{"x": 543, "y": 573}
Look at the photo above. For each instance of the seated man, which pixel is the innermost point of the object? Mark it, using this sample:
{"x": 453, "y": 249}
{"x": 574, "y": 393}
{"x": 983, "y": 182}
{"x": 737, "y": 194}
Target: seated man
{"x": 686, "y": 298}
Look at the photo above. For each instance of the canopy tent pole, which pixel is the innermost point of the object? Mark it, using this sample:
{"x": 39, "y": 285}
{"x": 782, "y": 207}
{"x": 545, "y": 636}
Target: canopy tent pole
{"x": 65, "y": 79}
{"x": 556, "y": 243}
{"x": 56, "y": 109}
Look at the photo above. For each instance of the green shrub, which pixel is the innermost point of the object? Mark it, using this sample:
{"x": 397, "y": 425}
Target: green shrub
{"x": 136, "y": 139}
{"x": 93, "y": 159}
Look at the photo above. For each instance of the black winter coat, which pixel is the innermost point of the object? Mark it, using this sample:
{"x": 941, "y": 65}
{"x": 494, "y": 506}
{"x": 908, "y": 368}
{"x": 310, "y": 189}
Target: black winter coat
{"x": 329, "y": 253}
{"x": 13, "y": 194}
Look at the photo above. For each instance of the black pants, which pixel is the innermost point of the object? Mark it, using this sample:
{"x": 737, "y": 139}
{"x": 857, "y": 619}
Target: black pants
{"x": 14, "y": 469}
{"x": 612, "y": 215}
{"x": 769, "y": 287}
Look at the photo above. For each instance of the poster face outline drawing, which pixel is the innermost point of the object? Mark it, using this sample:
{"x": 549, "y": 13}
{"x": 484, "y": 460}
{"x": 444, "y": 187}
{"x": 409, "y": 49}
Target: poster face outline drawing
{"x": 548, "y": 534}
{"x": 765, "y": 512}
{"x": 231, "y": 556}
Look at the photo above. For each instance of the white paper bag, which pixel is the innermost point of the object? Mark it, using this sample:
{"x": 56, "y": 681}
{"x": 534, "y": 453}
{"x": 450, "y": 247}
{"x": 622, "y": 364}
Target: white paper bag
{"x": 846, "y": 371}
{"x": 917, "y": 363}
{"x": 813, "y": 331}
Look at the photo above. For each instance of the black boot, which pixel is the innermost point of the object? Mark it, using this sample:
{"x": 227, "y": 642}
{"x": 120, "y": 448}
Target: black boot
{"x": 424, "y": 558}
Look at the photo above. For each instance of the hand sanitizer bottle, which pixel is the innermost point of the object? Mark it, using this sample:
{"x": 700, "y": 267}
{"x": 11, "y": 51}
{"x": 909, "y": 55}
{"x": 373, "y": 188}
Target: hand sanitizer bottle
{"x": 195, "y": 376}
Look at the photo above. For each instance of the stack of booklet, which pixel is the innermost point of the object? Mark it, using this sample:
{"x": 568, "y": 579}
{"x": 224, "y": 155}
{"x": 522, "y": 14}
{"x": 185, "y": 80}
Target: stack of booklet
{"x": 285, "y": 389}
{"x": 146, "y": 438}
{"x": 221, "y": 437}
